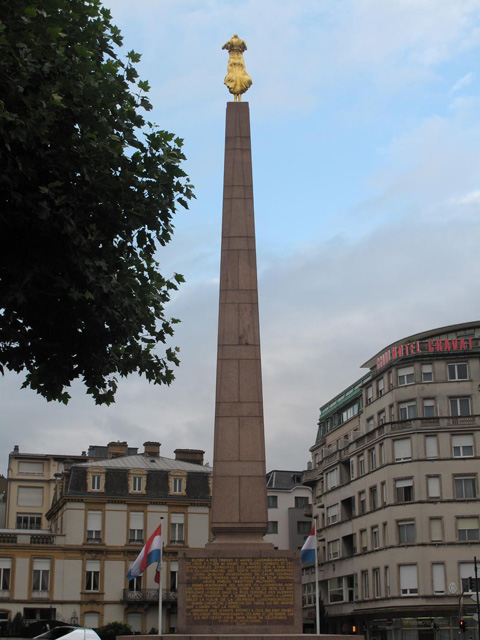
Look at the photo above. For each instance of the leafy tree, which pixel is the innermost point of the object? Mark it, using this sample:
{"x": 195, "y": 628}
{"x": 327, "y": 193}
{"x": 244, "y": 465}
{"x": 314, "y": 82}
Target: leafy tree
{"x": 113, "y": 629}
{"x": 88, "y": 189}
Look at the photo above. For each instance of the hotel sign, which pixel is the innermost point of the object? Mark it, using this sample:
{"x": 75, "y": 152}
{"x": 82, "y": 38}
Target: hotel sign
{"x": 437, "y": 345}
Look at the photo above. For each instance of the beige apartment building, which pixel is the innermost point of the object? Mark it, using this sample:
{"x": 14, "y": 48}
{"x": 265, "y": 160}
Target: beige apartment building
{"x": 395, "y": 480}
{"x": 101, "y": 513}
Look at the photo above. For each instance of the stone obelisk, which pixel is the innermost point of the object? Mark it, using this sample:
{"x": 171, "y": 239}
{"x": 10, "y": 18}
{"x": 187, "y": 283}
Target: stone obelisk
{"x": 239, "y": 508}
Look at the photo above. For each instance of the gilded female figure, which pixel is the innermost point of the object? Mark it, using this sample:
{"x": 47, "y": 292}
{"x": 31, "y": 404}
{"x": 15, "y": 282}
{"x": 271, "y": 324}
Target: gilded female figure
{"x": 237, "y": 79}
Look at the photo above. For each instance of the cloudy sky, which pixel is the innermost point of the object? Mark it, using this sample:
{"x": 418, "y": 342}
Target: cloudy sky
{"x": 365, "y": 122}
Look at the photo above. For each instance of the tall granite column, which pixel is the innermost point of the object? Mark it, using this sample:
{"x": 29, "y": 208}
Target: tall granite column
{"x": 239, "y": 509}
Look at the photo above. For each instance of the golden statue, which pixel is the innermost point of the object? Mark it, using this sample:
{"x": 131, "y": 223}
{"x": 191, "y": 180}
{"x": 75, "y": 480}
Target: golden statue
{"x": 237, "y": 79}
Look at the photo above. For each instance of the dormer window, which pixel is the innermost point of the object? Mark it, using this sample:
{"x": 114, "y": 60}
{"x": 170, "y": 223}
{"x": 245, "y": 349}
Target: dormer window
{"x": 177, "y": 481}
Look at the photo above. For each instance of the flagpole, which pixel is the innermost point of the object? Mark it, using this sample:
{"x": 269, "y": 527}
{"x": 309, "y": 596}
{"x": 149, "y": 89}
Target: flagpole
{"x": 160, "y": 603}
{"x": 317, "y": 599}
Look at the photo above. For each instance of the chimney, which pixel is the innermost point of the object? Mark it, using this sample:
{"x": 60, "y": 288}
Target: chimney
{"x": 116, "y": 449}
{"x": 152, "y": 449}
{"x": 195, "y": 456}
{"x": 16, "y": 449}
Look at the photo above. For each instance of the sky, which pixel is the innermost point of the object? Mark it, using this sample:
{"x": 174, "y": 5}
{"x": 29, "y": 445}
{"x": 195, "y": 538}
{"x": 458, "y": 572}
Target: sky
{"x": 365, "y": 119}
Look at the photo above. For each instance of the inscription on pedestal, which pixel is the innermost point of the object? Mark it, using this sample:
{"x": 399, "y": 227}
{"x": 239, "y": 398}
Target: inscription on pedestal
{"x": 240, "y": 591}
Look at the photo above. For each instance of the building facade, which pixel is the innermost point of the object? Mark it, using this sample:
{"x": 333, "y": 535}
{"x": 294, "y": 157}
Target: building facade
{"x": 101, "y": 514}
{"x": 394, "y": 475}
{"x": 289, "y": 510}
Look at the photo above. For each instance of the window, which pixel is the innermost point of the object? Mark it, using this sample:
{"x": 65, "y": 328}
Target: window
{"x": 332, "y": 479}
{"x": 349, "y": 412}
{"x": 377, "y": 590}
{"x": 134, "y": 621}
{"x": 390, "y": 380}
{"x": 406, "y": 531}
{"x": 404, "y": 489}
{"x": 174, "y": 576}
{"x": 92, "y": 575}
{"x": 362, "y": 500}
{"x": 95, "y": 483}
{"x": 392, "y": 413}
{"x": 137, "y": 484}
{"x": 41, "y": 577}
{"x": 408, "y": 579}
{"x": 5, "y": 572}
{"x": 431, "y": 447}
{"x": 375, "y": 538}
{"x": 365, "y": 585}
{"x": 272, "y": 526}
{"x": 383, "y": 486}
{"x": 332, "y": 514}
{"x": 272, "y": 502}
{"x": 465, "y": 487}
{"x": 370, "y": 424}
{"x": 438, "y": 577}
{"x": 387, "y": 582}
{"x": 385, "y": 534}
{"x": 433, "y": 487}
{"x": 94, "y": 526}
{"x": 467, "y": 573}
{"x": 361, "y": 465}
{"x": 301, "y": 502}
{"x": 427, "y": 373}
{"x": 304, "y": 527}
{"x": 335, "y": 590}
{"x": 363, "y": 540}
{"x": 407, "y": 410}
{"x": 372, "y": 457}
{"x": 334, "y": 549}
{"x": 28, "y": 521}
{"x": 429, "y": 407}
{"x": 177, "y": 485}
{"x": 405, "y": 376}
{"x": 382, "y": 417}
{"x": 30, "y": 468}
{"x": 402, "y": 449}
{"x": 369, "y": 394}
{"x": 467, "y": 529}
{"x": 30, "y": 497}
{"x": 462, "y": 446}
{"x": 136, "y": 583}
{"x": 373, "y": 498}
{"x": 459, "y": 407}
{"x": 136, "y": 526}
{"x": 436, "y": 529}
{"x": 458, "y": 371}
{"x": 380, "y": 387}
{"x": 382, "y": 453}
{"x": 177, "y": 528}
{"x": 352, "y": 468}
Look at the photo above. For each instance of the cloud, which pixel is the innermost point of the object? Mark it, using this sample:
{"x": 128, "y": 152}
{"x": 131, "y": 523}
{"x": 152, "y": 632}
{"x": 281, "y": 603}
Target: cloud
{"x": 463, "y": 82}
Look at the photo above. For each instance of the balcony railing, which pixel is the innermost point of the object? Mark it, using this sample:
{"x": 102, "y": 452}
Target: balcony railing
{"x": 148, "y": 595}
{"x": 42, "y": 539}
{"x": 40, "y": 595}
{"x": 388, "y": 428}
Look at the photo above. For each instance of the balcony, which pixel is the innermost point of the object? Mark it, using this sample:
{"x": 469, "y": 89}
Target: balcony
{"x": 42, "y": 539}
{"x": 40, "y": 595}
{"x": 148, "y": 595}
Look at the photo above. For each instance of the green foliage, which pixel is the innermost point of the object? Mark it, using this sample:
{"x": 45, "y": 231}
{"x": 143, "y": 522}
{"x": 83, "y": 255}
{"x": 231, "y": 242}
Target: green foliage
{"x": 87, "y": 193}
{"x": 113, "y": 629}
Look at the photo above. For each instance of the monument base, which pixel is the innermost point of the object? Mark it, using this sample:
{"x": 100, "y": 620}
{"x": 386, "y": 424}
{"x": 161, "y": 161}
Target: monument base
{"x": 236, "y": 592}
{"x": 236, "y": 636}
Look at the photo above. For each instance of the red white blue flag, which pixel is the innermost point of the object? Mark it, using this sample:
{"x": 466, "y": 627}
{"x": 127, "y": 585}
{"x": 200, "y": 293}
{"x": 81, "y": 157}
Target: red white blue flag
{"x": 309, "y": 547}
{"x": 151, "y": 553}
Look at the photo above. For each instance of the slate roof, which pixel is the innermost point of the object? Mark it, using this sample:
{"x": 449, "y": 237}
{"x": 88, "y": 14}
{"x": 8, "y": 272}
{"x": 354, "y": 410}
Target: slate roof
{"x": 150, "y": 463}
{"x": 283, "y": 480}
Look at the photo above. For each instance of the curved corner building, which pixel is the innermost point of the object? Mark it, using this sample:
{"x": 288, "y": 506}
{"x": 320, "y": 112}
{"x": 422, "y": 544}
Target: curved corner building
{"x": 394, "y": 474}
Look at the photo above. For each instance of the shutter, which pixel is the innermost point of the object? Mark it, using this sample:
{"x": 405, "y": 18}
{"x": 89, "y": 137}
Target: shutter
{"x": 136, "y": 520}
{"x": 467, "y": 523}
{"x": 94, "y": 521}
{"x": 436, "y": 529}
{"x": 30, "y": 496}
{"x": 438, "y": 575}
{"x": 41, "y": 564}
{"x": 433, "y": 484}
{"x": 177, "y": 518}
{"x": 431, "y": 446}
{"x": 91, "y": 620}
{"x": 92, "y": 565}
{"x": 402, "y": 448}
{"x": 5, "y": 563}
{"x": 462, "y": 441}
{"x": 408, "y": 576}
{"x": 32, "y": 468}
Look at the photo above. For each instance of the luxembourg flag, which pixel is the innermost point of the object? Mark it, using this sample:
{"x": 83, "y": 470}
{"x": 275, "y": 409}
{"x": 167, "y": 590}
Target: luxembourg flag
{"x": 309, "y": 547}
{"x": 151, "y": 552}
